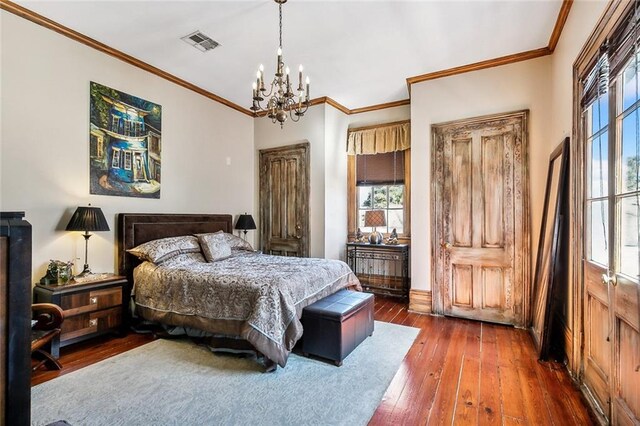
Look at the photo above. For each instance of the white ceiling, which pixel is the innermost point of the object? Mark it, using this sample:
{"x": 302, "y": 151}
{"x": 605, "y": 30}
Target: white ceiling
{"x": 357, "y": 52}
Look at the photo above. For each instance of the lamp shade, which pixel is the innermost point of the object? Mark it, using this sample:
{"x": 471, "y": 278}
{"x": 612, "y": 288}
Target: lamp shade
{"x": 88, "y": 219}
{"x": 245, "y": 221}
{"x": 374, "y": 218}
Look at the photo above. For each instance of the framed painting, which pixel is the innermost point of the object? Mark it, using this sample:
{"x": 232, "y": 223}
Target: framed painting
{"x": 549, "y": 244}
{"x": 125, "y": 144}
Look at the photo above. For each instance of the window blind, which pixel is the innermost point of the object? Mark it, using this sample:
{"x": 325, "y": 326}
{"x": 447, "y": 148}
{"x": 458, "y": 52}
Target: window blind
{"x": 380, "y": 169}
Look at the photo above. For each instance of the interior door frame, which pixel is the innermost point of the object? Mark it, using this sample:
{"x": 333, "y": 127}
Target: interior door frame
{"x": 612, "y": 15}
{"x": 306, "y": 226}
{"x": 524, "y": 257}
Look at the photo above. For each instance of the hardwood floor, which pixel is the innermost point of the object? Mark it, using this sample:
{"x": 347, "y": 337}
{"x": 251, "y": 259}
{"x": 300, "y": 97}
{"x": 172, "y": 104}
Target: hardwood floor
{"x": 456, "y": 372}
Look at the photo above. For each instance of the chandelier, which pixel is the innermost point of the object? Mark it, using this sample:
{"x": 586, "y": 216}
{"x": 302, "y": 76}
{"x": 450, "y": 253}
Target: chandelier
{"x": 282, "y": 102}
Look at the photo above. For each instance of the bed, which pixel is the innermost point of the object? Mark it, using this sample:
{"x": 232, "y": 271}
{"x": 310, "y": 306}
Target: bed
{"x": 251, "y": 296}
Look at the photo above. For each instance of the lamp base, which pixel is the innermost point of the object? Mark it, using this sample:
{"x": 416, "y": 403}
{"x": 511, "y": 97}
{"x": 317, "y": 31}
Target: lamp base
{"x": 375, "y": 237}
{"x": 86, "y": 271}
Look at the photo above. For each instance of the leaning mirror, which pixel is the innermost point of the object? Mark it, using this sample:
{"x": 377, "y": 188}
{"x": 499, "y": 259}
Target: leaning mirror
{"x": 547, "y": 265}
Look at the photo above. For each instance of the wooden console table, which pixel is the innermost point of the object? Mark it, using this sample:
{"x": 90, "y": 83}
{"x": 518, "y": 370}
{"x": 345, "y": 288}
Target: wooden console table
{"x": 382, "y": 269}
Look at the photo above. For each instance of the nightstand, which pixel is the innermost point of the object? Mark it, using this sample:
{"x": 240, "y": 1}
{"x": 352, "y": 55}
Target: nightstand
{"x": 382, "y": 269}
{"x": 91, "y": 308}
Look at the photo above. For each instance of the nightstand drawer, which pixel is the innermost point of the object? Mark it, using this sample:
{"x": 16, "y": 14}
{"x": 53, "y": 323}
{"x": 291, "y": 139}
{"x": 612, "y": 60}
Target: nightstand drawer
{"x": 89, "y": 323}
{"x": 78, "y": 303}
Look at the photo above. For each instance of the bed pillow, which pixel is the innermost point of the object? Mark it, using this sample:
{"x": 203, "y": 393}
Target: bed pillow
{"x": 214, "y": 246}
{"x": 157, "y": 251}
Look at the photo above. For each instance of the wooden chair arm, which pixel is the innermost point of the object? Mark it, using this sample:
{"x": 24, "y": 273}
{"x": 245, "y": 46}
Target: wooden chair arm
{"x": 48, "y": 315}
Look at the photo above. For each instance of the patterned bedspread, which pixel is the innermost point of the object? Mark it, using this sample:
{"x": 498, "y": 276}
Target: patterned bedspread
{"x": 254, "y": 296}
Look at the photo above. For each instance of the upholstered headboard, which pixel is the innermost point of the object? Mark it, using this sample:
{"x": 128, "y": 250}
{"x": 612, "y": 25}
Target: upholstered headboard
{"x": 137, "y": 228}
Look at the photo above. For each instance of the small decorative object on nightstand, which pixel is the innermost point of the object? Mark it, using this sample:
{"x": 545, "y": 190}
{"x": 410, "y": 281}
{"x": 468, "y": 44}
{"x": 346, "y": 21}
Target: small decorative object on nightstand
{"x": 374, "y": 218}
{"x": 393, "y": 237}
{"x": 91, "y": 307}
{"x": 87, "y": 219}
{"x": 245, "y": 223}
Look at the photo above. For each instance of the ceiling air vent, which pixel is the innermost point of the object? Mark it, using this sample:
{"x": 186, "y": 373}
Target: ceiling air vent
{"x": 201, "y": 41}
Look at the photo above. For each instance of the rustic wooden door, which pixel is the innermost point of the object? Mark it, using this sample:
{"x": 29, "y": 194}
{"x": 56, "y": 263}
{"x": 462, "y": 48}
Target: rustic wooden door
{"x": 611, "y": 353}
{"x": 284, "y": 200}
{"x": 481, "y": 218}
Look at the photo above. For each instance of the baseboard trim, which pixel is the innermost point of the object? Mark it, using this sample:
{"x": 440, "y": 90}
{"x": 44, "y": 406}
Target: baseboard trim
{"x": 420, "y": 302}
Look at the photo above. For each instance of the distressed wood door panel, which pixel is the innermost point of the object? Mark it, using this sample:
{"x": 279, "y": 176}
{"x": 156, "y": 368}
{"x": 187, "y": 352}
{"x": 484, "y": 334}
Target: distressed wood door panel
{"x": 481, "y": 231}
{"x": 284, "y": 200}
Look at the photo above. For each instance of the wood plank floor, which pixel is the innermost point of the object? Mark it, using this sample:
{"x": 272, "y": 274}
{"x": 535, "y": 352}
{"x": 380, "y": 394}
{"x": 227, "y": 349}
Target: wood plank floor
{"x": 456, "y": 372}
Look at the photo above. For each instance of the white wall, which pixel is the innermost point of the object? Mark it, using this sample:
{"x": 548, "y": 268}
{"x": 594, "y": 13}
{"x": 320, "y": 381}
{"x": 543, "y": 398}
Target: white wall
{"x": 45, "y": 143}
{"x": 335, "y": 208}
{"x": 310, "y": 128}
{"x": 381, "y": 116}
{"x": 581, "y": 22}
{"x": 523, "y": 85}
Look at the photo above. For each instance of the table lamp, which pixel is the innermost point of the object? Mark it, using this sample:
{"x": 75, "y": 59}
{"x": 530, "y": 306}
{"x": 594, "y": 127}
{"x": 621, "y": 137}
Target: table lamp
{"x": 374, "y": 218}
{"x": 87, "y": 219}
{"x": 244, "y": 223}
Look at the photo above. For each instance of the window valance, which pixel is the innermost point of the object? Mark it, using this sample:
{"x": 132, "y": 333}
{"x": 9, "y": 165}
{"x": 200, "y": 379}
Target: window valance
{"x": 379, "y": 139}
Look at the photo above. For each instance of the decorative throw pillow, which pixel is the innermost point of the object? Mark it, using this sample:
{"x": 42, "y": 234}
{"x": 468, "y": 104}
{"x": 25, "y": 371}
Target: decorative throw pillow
{"x": 237, "y": 242}
{"x": 214, "y": 246}
{"x": 157, "y": 251}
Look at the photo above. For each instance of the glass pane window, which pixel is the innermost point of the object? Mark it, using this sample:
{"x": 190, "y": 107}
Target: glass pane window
{"x": 630, "y": 157}
{"x": 395, "y": 219}
{"x": 365, "y": 197}
{"x": 597, "y": 240}
{"x": 380, "y": 200}
{"x": 389, "y": 198}
{"x": 598, "y": 166}
{"x": 396, "y": 196}
{"x": 598, "y": 114}
{"x": 630, "y": 84}
{"x": 628, "y": 242}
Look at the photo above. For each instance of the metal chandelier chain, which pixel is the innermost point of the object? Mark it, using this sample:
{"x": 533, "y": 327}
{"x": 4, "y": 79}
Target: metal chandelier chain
{"x": 280, "y": 10}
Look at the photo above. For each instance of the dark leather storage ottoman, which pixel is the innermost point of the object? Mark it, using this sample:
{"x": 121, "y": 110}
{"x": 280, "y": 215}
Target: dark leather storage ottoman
{"x": 336, "y": 325}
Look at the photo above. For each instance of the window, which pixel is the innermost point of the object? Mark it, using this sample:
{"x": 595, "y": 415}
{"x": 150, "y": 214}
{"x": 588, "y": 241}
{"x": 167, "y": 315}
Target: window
{"x": 380, "y": 182}
{"x": 610, "y": 93}
{"x": 127, "y": 160}
{"x": 389, "y": 198}
{"x": 115, "y": 160}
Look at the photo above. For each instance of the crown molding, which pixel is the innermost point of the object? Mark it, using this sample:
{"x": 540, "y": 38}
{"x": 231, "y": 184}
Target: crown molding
{"x": 381, "y": 106}
{"x": 36, "y": 18}
{"x": 557, "y": 29}
{"x": 476, "y": 66}
{"x": 563, "y": 14}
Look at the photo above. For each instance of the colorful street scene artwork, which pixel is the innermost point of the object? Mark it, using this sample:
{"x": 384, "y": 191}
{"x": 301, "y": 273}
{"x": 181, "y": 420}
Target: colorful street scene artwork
{"x": 125, "y": 144}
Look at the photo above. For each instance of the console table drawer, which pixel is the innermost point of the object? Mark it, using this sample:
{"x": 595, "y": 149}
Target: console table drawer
{"x": 78, "y": 303}
{"x": 90, "y": 323}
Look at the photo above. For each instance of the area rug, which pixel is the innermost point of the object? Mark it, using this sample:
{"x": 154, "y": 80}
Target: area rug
{"x": 178, "y": 382}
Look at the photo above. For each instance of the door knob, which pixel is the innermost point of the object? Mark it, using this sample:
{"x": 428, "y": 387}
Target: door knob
{"x": 609, "y": 279}
{"x": 445, "y": 245}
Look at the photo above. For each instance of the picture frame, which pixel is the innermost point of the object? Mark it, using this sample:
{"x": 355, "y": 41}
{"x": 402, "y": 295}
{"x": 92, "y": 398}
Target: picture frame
{"x": 549, "y": 246}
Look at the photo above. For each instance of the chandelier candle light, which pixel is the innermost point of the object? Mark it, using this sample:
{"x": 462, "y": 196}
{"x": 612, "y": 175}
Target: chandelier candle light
{"x": 281, "y": 100}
